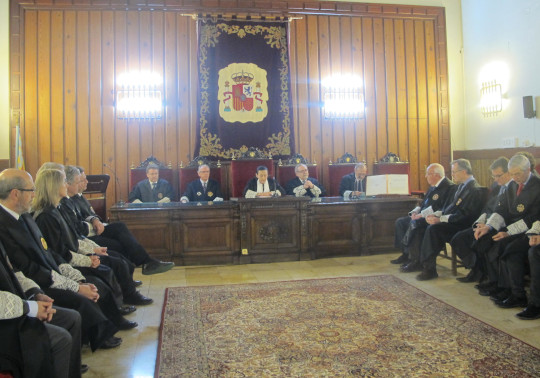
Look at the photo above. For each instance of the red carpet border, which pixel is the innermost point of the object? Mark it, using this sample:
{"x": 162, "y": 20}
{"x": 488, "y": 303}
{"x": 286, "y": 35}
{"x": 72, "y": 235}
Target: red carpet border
{"x": 374, "y": 326}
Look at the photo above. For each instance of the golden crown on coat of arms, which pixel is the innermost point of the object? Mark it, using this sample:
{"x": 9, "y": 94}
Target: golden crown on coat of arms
{"x": 242, "y": 77}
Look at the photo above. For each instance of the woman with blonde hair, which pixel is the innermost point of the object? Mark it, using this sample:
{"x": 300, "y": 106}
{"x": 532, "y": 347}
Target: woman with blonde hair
{"x": 51, "y": 187}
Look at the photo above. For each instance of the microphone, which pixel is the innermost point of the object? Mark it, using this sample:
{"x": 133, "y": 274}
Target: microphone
{"x": 275, "y": 189}
{"x": 117, "y": 188}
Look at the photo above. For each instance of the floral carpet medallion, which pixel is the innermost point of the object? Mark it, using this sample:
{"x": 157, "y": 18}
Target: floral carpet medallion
{"x": 345, "y": 327}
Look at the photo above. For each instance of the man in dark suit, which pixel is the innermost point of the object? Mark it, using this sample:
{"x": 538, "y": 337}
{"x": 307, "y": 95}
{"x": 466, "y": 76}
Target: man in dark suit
{"x": 353, "y": 185}
{"x": 407, "y": 227}
{"x": 459, "y": 212}
{"x": 303, "y": 185}
{"x": 152, "y": 190}
{"x": 261, "y": 186}
{"x": 204, "y": 189}
{"x": 40, "y": 340}
{"x": 115, "y": 236}
{"x": 464, "y": 245}
{"x": 29, "y": 253}
{"x": 516, "y": 212}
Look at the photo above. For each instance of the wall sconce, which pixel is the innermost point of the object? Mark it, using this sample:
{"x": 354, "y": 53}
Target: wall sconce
{"x": 491, "y": 98}
{"x": 138, "y": 95}
{"x": 343, "y": 97}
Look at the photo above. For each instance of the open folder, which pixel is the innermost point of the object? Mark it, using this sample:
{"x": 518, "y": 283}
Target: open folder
{"x": 387, "y": 184}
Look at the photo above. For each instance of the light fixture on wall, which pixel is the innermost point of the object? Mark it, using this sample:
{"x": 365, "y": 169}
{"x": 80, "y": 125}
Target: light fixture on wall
{"x": 138, "y": 95}
{"x": 343, "y": 97}
{"x": 491, "y": 98}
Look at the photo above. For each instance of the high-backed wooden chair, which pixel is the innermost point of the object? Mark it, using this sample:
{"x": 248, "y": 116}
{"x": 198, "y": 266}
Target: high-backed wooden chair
{"x": 392, "y": 164}
{"x": 244, "y": 169}
{"x": 137, "y": 174}
{"x": 343, "y": 166}
{"x": 188, "y": 173}
{"x": 96, "y": 193}
{"x": 285, "y": 170}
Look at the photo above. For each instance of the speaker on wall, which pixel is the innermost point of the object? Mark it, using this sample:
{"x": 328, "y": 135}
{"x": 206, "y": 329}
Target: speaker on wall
{"x": 528, "y": 107}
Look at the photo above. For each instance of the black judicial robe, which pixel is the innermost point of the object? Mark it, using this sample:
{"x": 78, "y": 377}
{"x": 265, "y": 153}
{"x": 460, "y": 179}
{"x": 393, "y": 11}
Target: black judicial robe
{"x": 143, "y": 191}
{"x": 25, "y": 347}
{"x": 296, "y": 182}
{"x": 62, "y": 240}
{"x": 28, "y": 252}
{"x": 195, "y": 192}
{"x": 524, "y": 207}
{"x": 272, "y": 184}
{"x": 348, "y": 183}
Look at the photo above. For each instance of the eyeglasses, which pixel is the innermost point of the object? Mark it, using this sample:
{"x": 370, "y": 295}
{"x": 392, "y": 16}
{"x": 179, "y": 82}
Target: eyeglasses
{"x": 495, "y": 177}
{"x": 26, "y": 190}
{"x": 457, "y": 170}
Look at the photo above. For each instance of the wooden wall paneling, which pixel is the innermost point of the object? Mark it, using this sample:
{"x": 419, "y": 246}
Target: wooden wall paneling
{"x": 358, "y": 68}
{"x": 114, "y": 192}
{"x": 57, "y": 87}
{"x": 121, "y": 159}
{"x": 158, "y": 137}
{"x": 96, "y": 103}
{"x": 412, "y": 104}
{"x": 146, "y": 64}
{"x": 324, "y": 70}
{"x": 193, "y": 81}
{"x": 432, "y": 93}
{"x": 70, "y": 87}
{"x": 400, "y": 52}
{"x": 30, "y": 130}
{"x": 44, "y": 85}
{"x": 171, "y": 85}
{"x": 135, "y": 127}
{"x": 83, "y": 91}
{"x": 391, "y": 92}
{"x": 349, "y": 125}
{"x": 337, "y": 67}
{"x": 186, "y": 135}
{"x": 401, "y": 91}
{"x": 370, "y": 152}
{"x": 314, "y": 122}
{"x": 381, "y": 122}
{"x": 423, "y": 130}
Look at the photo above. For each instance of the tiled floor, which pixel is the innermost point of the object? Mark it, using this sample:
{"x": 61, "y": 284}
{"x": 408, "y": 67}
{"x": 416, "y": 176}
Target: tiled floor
{"x": 136, "y": 356}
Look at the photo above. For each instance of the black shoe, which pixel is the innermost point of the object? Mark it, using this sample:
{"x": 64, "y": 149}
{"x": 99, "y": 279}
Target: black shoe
{"x": 489, "y": 290}
{"x": 126, "y": 309}
{"x": 155, "y": 267}
{"x": 138, "y": 299}
{"x": 84, "y": 368}
{"x": 123, "y": 324}
{"x": 485, "y": 285}
{"x": 401, "y": 259}
{"x": 530, "y": 313}
{"x": 513, "y": 301}
{"x": 473, "y": 276}
{"x": 111, "y": 342}
{"x": 137, "y": 283}
{"x": 411, "y": 267}
{"x": 427, "y": 275}
{"x": 500, "y": 295}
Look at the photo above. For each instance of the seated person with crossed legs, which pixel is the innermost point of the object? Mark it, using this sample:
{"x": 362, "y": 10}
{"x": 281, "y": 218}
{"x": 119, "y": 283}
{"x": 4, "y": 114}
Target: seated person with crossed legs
{"x": 204, "y": 189}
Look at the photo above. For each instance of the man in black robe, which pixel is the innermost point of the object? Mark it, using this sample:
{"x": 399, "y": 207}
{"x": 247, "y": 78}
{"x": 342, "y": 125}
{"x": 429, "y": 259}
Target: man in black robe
{"x": 203, "y": 189}
{"x": 303, "y": 185}
{"x": 353, "y": 185}
{"x": 154, "y": 189}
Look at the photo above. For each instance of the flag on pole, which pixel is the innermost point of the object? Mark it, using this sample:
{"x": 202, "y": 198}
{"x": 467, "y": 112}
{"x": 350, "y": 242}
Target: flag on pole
{"x": 19, "y": 159}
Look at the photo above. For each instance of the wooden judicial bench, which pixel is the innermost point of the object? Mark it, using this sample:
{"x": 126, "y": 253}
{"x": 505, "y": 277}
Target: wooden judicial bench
{"x": 264, "y": 230}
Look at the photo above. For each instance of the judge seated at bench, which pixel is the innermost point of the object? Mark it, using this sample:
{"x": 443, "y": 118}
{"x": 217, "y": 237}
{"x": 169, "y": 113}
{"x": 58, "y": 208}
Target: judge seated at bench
{"x": 203, "y": 189}
{"x": 261, "y": 186}
{"x": 152, "y": 190}
{"x": 353, "y": 185}
{"x": 303, "y": 185}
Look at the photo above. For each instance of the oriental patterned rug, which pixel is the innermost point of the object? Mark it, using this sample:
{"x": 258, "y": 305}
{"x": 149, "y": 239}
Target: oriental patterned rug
{"x": 375, "y": 326}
